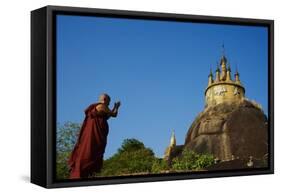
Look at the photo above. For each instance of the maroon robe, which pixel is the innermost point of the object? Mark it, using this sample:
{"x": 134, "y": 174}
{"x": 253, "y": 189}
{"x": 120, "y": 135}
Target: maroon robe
{"x": 87, "y": 155}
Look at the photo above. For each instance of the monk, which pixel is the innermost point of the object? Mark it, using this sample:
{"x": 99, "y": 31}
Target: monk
{"x": 86, "y": 158}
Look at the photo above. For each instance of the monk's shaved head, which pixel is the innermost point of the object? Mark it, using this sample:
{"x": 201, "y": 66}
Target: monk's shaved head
{"x": 104, "y": 98}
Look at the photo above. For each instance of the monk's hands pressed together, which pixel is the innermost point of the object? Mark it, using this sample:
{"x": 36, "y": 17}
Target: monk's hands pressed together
{"x": 117, "y": 104}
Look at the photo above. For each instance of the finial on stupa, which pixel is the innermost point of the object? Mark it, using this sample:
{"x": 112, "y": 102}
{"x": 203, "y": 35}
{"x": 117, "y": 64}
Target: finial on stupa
{"x": 223, "y": 87}
{"x": 217, "y": 74}
{"x": 228, "y": 67}
{"x": 211, "y": 72}
{"x": 223, "y": 57}
{"x": 237, "y": 79}
{"x": 173, "y": 139}
{"x": 210, "y": 80}
{"x": 228, "y": 72}
{"x": 218, "y": 68}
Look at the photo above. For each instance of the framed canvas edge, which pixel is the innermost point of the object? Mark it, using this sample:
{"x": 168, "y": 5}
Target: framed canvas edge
{"x": 51, "y": 91}
{"x": 38, "y": 156}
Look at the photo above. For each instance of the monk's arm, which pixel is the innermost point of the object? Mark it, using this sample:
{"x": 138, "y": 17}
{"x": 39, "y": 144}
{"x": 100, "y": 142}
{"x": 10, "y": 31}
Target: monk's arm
{"x": 114, "y": 111}
{"x": 105, "y": 111}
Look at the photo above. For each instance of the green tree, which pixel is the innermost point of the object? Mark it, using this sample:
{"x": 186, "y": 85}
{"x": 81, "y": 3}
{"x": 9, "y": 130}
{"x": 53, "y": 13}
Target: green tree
{"x": 66, "y": 136}
{"x": 190, "y": 160}
{"x": 133, "y": 157}
{"x": 131, "y": 145}
{"x": 159, "y": 166}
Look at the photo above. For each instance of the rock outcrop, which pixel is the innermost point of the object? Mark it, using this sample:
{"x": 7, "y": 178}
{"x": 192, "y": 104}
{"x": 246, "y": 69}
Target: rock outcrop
{"x": 230, "y": 130}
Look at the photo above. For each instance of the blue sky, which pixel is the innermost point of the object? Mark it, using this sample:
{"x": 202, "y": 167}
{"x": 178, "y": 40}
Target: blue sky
{"x": 157, "y": 69}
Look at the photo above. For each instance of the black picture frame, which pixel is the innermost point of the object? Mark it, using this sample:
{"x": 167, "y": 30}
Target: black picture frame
{"x": 43, "y": 94}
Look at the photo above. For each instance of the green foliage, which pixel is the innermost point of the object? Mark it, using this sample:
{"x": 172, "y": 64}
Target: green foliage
{"x": 159, "y": 166}
{"x": 132, "y": 158}
{"x": 62, "y": 167}
{"x": 131, "y": 145}
{"x": 66, "y": 136}
{"x": 190, "y": 160}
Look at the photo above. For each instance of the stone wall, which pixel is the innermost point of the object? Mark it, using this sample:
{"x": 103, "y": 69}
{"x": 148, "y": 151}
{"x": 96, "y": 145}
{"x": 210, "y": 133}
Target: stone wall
{"x": 230, "y": 130}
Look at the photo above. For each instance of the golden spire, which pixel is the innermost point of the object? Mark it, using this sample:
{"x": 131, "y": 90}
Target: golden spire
{"x": 173, "y": 139}
{"x": 236, "y": 75}
{"x": 210, "y": 81}
{"x": 228, "y": 73}
{"x": 223, "y": 63}
{"x": 223, "y": 87}
{"x": 218, "y": 74}
{"x": 223, "y": 49}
